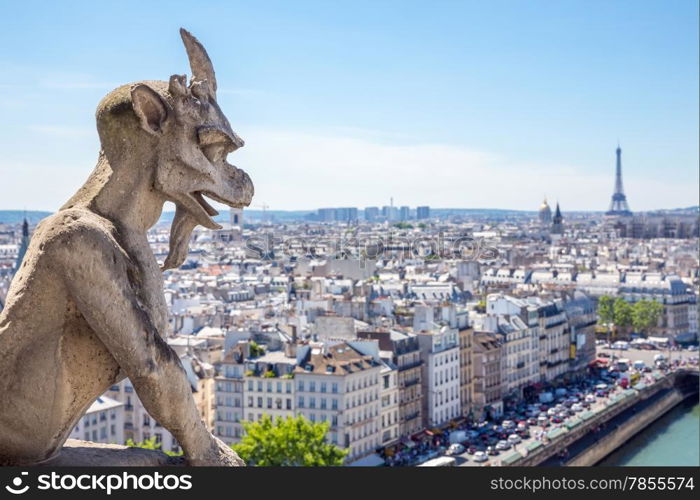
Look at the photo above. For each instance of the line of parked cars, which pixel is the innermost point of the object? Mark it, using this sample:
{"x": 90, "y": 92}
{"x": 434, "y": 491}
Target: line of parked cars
{"x": 486, "y": 439}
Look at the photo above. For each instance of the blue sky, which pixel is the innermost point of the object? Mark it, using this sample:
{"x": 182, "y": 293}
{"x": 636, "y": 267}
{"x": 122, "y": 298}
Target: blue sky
{"x": 451, "y": 104}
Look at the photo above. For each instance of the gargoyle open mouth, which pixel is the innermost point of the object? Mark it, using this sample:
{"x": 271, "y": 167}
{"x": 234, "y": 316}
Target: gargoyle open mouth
{"x": 199, "y": 196}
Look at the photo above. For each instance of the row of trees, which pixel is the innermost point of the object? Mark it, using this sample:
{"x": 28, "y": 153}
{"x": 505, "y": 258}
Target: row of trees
{"x": 293, "y": 441}
{"x": 618, "y": 315}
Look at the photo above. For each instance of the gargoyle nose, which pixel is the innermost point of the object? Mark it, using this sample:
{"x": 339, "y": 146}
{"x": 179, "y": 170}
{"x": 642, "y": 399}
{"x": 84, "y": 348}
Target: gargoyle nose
{"x": 237, "y": 141}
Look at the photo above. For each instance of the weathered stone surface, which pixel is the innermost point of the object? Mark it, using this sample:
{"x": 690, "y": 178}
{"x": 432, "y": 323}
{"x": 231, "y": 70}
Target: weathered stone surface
{"x": 76, "y": 453}
{"x": 86, "y": 307}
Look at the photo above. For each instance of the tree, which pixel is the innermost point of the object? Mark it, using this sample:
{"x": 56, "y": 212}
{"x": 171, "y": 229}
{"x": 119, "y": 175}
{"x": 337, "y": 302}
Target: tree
{"x": 606, "y": 313}
{"x": 645, "y": 315}
{"x": 622, "y": 313}
{"x": 606, "y": 310}
{"x": 294, "y": 441}
{"x": 256, "y": 350}
{"x": 150, "y": 444}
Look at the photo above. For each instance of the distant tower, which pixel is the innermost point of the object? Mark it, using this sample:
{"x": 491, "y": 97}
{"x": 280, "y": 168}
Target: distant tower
{"x": 236, "y": 224}
{"x": 545, "y": 213}
{"x": 237, "y": 217}
{"x": 618, "y": 204}
{"x": 557, "y": 222}
{"x": 23, "y": 245}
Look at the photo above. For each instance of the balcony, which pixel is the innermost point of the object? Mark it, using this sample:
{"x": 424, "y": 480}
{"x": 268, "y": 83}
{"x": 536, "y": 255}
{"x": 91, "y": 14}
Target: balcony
{"x": 410, "y": 383}
{"x": 412, "y": 416}
{"x": 410, "y": 366}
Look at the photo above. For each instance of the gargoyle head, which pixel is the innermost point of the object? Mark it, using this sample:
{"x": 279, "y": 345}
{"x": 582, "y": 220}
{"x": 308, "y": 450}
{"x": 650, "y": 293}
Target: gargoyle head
{"x": 187, "y": 138}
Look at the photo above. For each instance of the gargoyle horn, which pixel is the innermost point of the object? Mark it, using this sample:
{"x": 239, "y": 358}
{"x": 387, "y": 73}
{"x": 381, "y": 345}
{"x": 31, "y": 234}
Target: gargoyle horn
{"x": 202, "y": 68}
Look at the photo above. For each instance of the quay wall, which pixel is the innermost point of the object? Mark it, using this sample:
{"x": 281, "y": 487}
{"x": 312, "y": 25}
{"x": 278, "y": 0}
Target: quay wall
{"x": 622, "y": 434}
{"x": 614, "y": 439}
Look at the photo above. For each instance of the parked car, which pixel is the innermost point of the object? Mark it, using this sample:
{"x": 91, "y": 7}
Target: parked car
{"x": 480, "y": 456}
{"x": 514, "y": 439}
{"x": 455, "y": 449}
{"x": 503, "y": 445}
{"x": 491, "y": 450}
{"x": 577, "y": 407}
{"x": 508, "y": 424}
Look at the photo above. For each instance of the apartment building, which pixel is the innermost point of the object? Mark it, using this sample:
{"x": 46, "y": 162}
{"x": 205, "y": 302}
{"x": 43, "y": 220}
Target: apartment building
{"x": 340, "y": 385}
{"x": 103, "y": 422}
{"x": 486, "y": 382}
{"x": 440, "y": 353}
{"x": 229, "y": 395}
{"x": 389, "y": 395}
{"x": 404, "y": 352}
{"x": 554, "y": 338}
{"x": 517, "y": 323}
{"x": 466, "y": 336}
{"x": 139, "y": 425}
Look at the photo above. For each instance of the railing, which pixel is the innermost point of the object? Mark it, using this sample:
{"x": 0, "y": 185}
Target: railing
{"x": 410, "y": 366}
{"x": 406, "y": 418}
{"x": 410, "y": 383}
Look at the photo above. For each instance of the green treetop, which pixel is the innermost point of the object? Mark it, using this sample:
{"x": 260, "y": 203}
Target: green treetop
{"x": 288, "y": 442}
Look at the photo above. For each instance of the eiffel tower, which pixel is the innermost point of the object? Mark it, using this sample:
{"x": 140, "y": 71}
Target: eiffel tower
{"x": 618, "y": 204}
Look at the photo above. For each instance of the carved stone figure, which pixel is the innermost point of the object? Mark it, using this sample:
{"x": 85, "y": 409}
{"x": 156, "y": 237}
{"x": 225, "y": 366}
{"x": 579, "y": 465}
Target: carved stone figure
{"x": 86, "y": 308}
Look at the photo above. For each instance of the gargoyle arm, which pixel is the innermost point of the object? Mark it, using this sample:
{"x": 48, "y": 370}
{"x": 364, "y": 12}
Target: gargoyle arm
{"x": 97, "y": 282}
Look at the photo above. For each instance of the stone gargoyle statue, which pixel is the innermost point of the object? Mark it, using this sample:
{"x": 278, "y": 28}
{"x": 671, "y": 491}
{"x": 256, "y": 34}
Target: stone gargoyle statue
{"x": 86, "y": 308}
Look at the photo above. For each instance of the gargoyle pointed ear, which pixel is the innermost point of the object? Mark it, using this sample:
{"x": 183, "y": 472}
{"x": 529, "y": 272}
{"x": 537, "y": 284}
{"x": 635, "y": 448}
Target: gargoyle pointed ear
{"x": 149, "y": 107}
{"x": 202, "y": 68}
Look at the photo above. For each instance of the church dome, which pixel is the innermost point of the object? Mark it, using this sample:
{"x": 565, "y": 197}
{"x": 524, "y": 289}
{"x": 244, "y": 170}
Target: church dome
{"x": 545, "y": 213}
